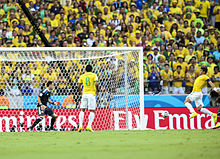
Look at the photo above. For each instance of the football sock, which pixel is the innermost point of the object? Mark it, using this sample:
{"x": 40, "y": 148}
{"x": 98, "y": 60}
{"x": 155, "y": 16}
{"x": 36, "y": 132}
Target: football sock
{"x": 189, "y": 106}
{"x": 81, "y": 117}
{"x": 206, "y": 111}
{"x": 91, "y": 118}
{"x": 36, "y": 122}
{"x": 52, "y": 122}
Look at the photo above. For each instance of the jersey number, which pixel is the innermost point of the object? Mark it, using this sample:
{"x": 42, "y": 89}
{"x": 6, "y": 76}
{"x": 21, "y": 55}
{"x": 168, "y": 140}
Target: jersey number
{"x": 88, "y": 81}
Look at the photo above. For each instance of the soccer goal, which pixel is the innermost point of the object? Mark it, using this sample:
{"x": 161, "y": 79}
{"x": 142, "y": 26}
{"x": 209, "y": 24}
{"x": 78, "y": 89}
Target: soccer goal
{"x": 25, "y": 71}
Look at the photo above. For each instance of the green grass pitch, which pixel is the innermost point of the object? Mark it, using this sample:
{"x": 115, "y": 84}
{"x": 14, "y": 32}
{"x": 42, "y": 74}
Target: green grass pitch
{"x": 165, "y": 144}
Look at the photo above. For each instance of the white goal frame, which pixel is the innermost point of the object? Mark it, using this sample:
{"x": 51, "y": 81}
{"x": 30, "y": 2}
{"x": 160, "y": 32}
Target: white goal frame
{"x": 138, "y": 49}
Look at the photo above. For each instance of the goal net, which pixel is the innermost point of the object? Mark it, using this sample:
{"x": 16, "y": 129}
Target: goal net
{"x": 25, "y": 71}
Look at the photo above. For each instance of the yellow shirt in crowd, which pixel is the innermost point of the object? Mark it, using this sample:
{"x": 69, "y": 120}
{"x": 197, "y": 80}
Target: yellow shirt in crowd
{"x": 166, "y": 75}
{"x": 180, "y": 75}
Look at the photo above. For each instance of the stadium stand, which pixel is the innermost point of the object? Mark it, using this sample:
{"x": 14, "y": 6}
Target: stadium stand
{"x": 185, "y": 34}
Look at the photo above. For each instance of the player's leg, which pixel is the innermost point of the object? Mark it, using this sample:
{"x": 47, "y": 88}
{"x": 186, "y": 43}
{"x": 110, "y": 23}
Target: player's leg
{"x": 39, "y": 119}
{"x": 81, "y": 118}
{"x": 54, "y": 117}
{"x": 41, "y": 111}
{"x": 218, "y": 120}
{"x": 199, "y": 105}
{"x": 206, "y": 111}
{"x": 50, "y": 112}
{"x": 83, "y": 107}
{"x": 187, "y": 102}
{"x": 91, "y": 118}
{"x": 92, "y": 108}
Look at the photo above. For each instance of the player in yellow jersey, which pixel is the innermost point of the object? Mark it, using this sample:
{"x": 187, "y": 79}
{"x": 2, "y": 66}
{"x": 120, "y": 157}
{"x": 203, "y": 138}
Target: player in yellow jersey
{"x": 167, "y": 76}
{"x": 196, "y": 94}
{"x": 89, "y": 81}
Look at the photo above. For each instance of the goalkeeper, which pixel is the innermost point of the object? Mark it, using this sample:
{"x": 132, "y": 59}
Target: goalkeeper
{"x": 42, "y": 107}
{"x": 215, "y": 96}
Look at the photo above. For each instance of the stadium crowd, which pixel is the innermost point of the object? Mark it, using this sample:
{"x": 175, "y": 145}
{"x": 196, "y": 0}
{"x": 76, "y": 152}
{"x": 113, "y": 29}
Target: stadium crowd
{"x": 177, "y": 36}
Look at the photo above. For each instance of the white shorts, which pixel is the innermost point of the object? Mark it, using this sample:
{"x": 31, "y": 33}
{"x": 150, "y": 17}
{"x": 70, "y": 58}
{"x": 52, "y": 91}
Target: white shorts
{"x": 88, "y": 101}
{"x": 197, "y": 97}
{"x": 178, "y": 90}
{"x": 165, "y": 90}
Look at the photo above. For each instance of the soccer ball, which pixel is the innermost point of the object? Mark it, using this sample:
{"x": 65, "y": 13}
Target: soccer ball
{"x": 165, "y": 114}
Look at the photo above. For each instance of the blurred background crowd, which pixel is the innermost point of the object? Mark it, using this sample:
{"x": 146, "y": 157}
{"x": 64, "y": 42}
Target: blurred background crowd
{"x": 177, "y": 36}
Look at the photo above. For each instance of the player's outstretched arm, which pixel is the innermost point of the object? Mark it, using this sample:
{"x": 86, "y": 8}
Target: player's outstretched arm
{"x": 97, "y": 87}
{"x": 54, "y": 103}
{"x": 79, "y": 88}
{"x": 212, "y": 86}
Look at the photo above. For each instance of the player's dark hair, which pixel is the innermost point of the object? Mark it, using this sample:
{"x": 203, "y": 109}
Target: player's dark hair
{"x": 49, "y": 83}
{"x": 88, "y": 68}
{"x": 204, "y": 69}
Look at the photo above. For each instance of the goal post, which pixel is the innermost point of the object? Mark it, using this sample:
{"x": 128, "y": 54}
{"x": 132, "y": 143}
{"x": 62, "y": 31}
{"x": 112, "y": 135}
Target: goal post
{"x": 120, "y": 103}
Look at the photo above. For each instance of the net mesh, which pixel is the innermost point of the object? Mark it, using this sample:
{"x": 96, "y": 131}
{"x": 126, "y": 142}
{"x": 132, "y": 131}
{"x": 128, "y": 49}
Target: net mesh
{"x": 24, "y": 74}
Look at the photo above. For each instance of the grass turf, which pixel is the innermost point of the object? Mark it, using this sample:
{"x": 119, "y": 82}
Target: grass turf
{"x": 164, "y": 144}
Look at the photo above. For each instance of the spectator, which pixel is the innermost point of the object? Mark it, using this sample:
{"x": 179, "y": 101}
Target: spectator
{"x": 199, "y": 38}
{"x": 210, "y": 60}
{"x": 154, "y": 80}
{"x": 100, "y": 20}
{"x": 217, "y": 55}
{"x": 191, "y": 54}
{"x": 166, "y": 77}
{"x": 216, "y": 12}
{"x": 55, "y": 8}
{"x": 104, "y": 98}
{"x": 15, "y": 84}
{"x": 204, "y": 7}
{"x": 216, "y": 76}
{"x": 172, "y": 62}
{"x": 190, "y": 79}
{"x": 91, "y": 40}
{"x": 117, "y": 4}
{"x": 178, "y": 76}
{"x": 4, "y": 77}
{"x": 50, "y": 75}
{"x": 27, "y": 81}
{"x": 115, "y": 20}
{"x": 180, "y": 62}
{"x": 155, "y": 54}
{"x": 62, "y": 84}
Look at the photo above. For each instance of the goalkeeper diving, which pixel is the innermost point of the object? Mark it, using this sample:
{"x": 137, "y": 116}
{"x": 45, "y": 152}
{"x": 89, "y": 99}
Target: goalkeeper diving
{"x": 43, "y": 109}
{"x": 89, "y": 81}
{"x": 196, "y": 94}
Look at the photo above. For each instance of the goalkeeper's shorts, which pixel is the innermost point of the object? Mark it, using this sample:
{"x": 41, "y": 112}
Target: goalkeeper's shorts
{"x": 44, "y": 111}
{"x": 88, "y": 101}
